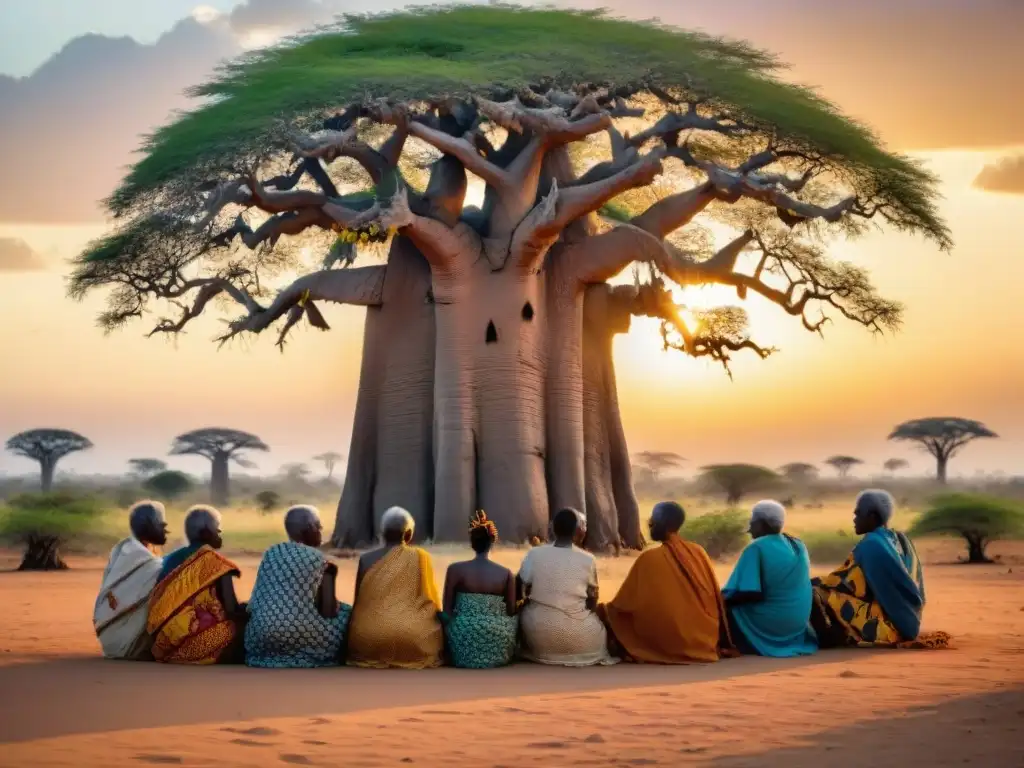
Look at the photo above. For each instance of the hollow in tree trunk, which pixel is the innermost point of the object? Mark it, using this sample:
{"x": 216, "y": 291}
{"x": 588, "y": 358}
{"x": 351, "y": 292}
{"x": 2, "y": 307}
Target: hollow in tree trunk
{"x": 976, "y": 544}
{"x": 42, "y": 553}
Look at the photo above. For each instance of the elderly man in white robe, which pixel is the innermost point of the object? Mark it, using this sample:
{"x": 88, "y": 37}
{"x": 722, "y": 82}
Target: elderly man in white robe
{"x": 119, "y": 616}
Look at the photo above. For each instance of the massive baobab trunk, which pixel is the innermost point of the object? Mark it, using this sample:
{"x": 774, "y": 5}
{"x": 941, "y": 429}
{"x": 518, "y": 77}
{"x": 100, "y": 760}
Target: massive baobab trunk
{"x": 220, "y": 491}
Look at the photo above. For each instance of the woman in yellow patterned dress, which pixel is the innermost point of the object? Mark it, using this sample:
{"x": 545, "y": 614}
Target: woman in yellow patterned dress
{"x": 194, "y": 616}
{"x": 395, "y": 620}
{"x": 876, "y": 598}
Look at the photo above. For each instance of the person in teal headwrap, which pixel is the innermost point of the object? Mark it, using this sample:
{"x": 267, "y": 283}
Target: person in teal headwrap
{"x": 768, "y": 596}
{"x": 875, "y": 598}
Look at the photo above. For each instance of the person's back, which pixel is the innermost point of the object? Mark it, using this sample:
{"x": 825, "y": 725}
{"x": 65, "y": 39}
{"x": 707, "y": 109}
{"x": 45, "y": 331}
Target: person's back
{"x": 559, "y": 625}
{"x": 120, "y": 611}
{"x": 480, "y": 604}
{"x": 294, "y": 618}
{"x": 394, "y": 616}
{"x": 669, "y": 610}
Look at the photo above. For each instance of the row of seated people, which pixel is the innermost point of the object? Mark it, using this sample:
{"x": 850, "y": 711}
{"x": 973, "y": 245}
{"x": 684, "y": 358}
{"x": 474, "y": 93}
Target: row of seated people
{"x": 183, "y": 609}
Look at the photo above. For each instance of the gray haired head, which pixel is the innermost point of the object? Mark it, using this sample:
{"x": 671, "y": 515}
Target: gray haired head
{"x": 202, "y": 525}
{"x": 147, "y": 521}
{"x": 877, "y": 501}
{"x": 300, "y": 521}
{"x": 769, "y": 513}
{"x": 396, "y": 524}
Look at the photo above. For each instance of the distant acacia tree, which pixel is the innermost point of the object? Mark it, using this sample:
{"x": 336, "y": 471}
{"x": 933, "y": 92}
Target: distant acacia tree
{"x": 895, "y": 465}
{"x": 47, "y": 446}
{"x": 942, "y": 437}
{"x": 799, "y": 472}
{"x": 329, "y": 459}
{"x": 656, "y": 462}
{"x": 147, "y": 467}
{"x": 169, "y": 484}
{"x": 738, "y": 480}
{"x": 978, "y": 519}
{"x": 843, "y": 464}
{"x": 296, "y": 472}
{"x": 220, "y": 446}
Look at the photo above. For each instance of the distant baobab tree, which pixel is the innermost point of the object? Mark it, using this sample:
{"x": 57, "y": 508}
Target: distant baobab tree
{"x": 329, "y": 459}
{"x": 843, "y": 464}
{"x": 147, "y": 467}
{"x": 942, "y": 437}
{"x": 892, "y": 466}
{"x": 47, "y": 446}
{"x": 799, "y": 472}
{"x": 220, "y": 446}
{"x": 657, "y": 462}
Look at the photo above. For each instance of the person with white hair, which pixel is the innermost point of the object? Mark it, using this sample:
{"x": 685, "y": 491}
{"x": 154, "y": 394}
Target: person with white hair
{"x": 119, "y": 615}
{"x": 876, "y": 598}
{"x": 768, "y": 595}
{"x": 194, "y": 614}
{"x": 295, "y": 620}
{"x": 395, "y": 620}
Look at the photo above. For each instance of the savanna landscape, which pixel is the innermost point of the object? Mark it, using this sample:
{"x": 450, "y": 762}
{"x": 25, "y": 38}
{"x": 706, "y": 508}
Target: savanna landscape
{"x": 595, "y": 263}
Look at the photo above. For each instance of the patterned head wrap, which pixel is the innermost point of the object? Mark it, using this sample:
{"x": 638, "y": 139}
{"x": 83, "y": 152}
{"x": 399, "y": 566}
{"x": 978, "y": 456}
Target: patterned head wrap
{"x": 480, "y": 520}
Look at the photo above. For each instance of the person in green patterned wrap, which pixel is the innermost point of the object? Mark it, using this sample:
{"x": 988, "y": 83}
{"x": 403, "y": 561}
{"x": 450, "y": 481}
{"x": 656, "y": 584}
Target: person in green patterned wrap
{"x": 294, "y": 618}
{"x": 480, "y": 604}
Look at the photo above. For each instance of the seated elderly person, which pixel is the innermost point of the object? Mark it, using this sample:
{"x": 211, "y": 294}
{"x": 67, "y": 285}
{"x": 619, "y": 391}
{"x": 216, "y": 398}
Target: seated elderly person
{"x": 876, "y": 597}
{"x": 395, "y": 619}
{"x": 768, "y": 595}
{"x": 558, "y": 623}
{"x": 119, "y": 616}
{"x": 669, "y": 610}
{"x": 294, "y": 618}
{"x": 194, "y": 616}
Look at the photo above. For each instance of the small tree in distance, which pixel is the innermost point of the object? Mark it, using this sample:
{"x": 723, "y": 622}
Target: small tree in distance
{"x": 47, "y": 446}
{"x": 799, "y": 472}
{"x": 843, "y": 464}
{"x": 220, "y": 446}
{"x": 147, "y": 467}
{"x": 738, "y": 480}
{"x": 329, "y": 459}
{"x": 978, "y": 519}
{"x": 168, "y": 485}
{"x": 657, "y": 462}
{"x": 942, "y": 437}
{"x": 296, "y": 472}
{"x": 892, "y": 466}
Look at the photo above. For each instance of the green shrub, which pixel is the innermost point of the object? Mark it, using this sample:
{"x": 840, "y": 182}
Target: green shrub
{"x": 42, "y": 523}
{"x": 829, "y": 547}
{"x": 268, "y": 501}
{"x": 720, "y": 533}
{"x": 979, "y": 519}
{"x": 169, "y": 484}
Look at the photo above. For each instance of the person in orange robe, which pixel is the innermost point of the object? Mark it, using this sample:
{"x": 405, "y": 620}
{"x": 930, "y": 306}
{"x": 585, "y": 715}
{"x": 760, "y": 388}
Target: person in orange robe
{"x": 669, "y": 610}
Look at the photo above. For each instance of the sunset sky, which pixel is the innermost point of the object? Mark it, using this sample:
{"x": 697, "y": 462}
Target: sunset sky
{"x": 940, "y": 79}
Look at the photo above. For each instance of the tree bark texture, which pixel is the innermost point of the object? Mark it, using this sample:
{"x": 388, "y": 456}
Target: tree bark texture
{"x": 220, "y": 494}
{"x": 42, "y": 553}
{"x": 47, "y": 465}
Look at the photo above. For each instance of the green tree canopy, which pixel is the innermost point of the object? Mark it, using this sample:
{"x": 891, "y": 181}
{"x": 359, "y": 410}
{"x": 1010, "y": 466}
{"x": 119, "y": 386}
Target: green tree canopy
{"x": 738, "y": 480}
{"x": 169, "y": 484}
{"x": 941, "y": 436}
{"x": 979, "y": 519}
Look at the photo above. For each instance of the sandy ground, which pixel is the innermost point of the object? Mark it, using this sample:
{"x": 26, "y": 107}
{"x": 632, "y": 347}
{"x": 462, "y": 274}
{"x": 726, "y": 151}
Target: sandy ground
{"x": 62, "y": 705}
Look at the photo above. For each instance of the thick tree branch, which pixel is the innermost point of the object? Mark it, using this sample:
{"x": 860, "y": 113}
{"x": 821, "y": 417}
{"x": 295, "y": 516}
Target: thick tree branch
{"x": 675, "y": 211}
{"x": 438, "y": 242}
{"x": 465, "y": 151}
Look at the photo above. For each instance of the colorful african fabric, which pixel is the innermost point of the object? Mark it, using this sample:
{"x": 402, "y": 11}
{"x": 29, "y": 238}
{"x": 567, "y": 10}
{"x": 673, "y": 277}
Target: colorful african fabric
{"x": 481, "y": 634}
{"x": 876, "y": 597}
{"x": 186, "y": 617}
{"x": 119, "y": 615}
{"x": 395, "y": 617}
{"x": 778, "y": 568}
{"x": 557, "y": 626}
{"x": 669, "y": 610}
{"x": 285, "y": 628}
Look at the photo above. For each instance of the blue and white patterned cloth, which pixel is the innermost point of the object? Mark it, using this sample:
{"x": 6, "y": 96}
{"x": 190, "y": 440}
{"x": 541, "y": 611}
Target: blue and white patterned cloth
{"x": 285, "y": 629}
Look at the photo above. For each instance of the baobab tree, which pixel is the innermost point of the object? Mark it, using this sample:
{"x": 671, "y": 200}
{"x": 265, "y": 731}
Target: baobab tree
{"x": 942, "y": 437}
{"x": 594, "y": 144}
{"x": 47, "y": 446}
{"x": 843, "y": 464}
{"x": 330, "y": 459}
{"x": 892, "y": 466}
{"x": 799, "y": 472}
{"x": 220, "y": 446}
